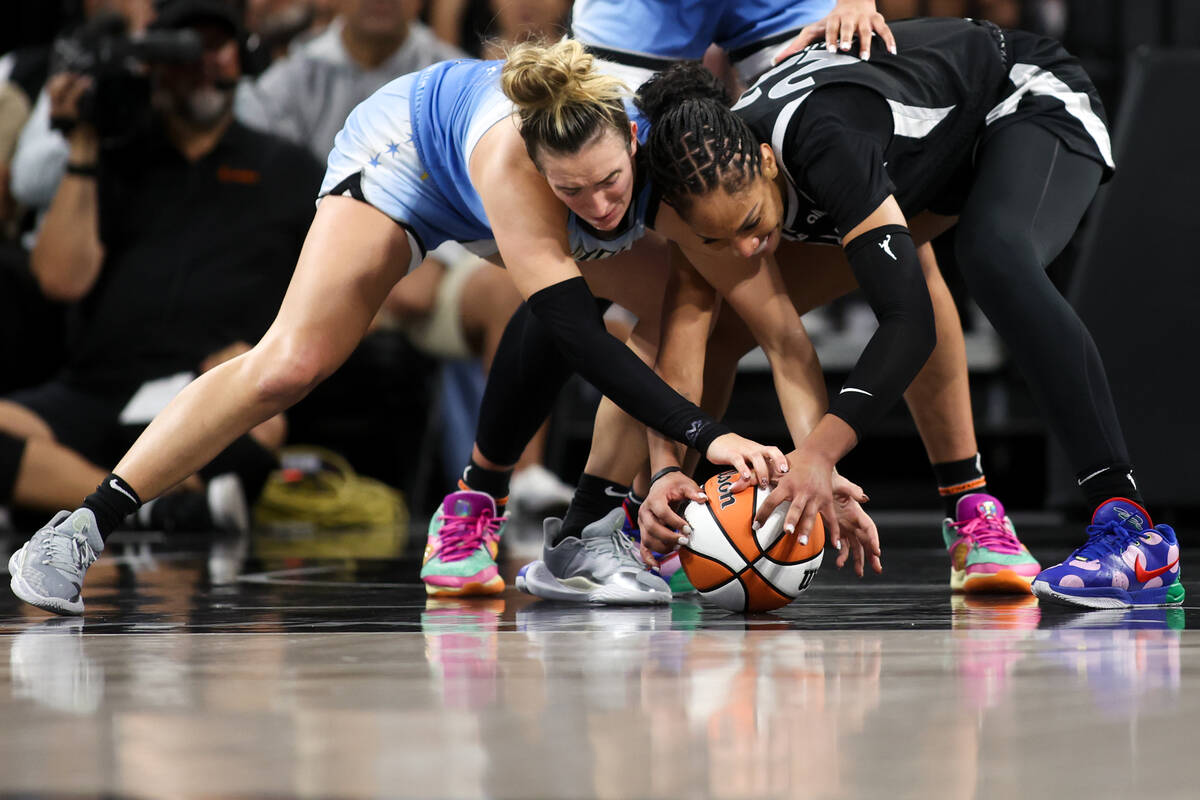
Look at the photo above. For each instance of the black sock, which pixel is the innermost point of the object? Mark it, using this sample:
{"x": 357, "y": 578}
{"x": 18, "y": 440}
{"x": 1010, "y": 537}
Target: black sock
{"x": 594, "y": 497}
{"x": 111, "y": 503}
{"x": 1115, "y": 480}
{"x": 958, "y": 478}
{"x": 492, "y": 481}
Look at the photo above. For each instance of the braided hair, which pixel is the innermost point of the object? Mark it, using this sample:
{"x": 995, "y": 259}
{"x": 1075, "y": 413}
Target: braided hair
{"x": 563, "y": 102}
{"x": 696, "y": 142}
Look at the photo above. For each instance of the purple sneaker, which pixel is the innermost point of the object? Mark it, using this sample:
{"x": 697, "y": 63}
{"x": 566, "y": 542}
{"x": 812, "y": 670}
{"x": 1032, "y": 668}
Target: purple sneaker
{"x": 1127, "y": 562}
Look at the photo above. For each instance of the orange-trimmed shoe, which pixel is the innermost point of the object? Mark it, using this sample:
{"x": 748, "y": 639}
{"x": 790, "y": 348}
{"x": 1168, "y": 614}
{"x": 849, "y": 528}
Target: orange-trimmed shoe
{"x": 460, "y": 553}
{"x": 985, "y": 555}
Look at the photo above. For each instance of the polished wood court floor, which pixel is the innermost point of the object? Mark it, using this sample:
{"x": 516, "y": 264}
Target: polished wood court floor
{"x": 316, "y": 667}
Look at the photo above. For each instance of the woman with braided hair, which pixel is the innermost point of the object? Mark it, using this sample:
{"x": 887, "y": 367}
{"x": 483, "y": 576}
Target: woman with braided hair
{"x": 999, "y": 132}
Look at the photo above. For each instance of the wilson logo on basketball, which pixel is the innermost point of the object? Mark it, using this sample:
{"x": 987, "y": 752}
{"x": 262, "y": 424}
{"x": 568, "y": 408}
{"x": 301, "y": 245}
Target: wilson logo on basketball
{"x": 725, "y": 489}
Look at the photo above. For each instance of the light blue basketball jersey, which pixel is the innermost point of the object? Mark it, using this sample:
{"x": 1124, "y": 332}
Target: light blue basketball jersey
{"x": 406, "y": 149}
{"x": 683, "y": 29}
{"x": 633, "y": 39}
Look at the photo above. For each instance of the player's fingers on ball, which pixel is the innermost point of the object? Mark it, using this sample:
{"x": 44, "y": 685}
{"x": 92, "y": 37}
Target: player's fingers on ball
{"x": 676, "y": 522}
{"x": 881, "y": 27}
{"x": 744, "y": 471}
{"x": 779, "y": 462}
{"x": 768, "y": 506}
{"x": 762, "y": 472}
{"x": 795, "y": 516}
{"x": 656, "y": 538}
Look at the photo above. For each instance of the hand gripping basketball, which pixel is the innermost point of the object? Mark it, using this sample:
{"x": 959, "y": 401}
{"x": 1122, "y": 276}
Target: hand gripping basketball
{"x": 752, "y": 461}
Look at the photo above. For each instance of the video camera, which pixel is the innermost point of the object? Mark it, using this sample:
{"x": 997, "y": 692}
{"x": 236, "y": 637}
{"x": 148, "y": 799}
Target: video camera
{"x": 120, "y": 94}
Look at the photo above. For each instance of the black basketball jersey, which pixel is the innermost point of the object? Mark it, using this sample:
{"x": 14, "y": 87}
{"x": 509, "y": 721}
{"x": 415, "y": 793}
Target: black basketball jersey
{"x": 937, "y": 92}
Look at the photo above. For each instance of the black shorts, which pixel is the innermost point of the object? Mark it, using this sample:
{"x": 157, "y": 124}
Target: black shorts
{"x": 1047, "y": 86}
{"x": 85, "y": 420}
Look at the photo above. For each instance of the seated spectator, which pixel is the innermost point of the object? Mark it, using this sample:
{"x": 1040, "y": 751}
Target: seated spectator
{"x": 14, "y": 111}
{"x": 306, "y": 96}
{"x": 177, "y": 245}
{"x": 516, "y": 21}
{"x": 41, "y": 153}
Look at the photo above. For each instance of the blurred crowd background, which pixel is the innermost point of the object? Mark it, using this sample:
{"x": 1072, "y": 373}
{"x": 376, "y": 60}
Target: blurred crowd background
{"x": 209, "y": 237}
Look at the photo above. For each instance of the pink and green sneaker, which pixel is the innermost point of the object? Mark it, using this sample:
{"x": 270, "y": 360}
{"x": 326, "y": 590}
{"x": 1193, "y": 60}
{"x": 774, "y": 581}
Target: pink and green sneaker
{"x": 985, "y": 555}
{"x": 460, "y": 553}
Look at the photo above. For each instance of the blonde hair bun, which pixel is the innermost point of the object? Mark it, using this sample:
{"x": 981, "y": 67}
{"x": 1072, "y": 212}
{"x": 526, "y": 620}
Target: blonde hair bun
{"x": 559, "y": 94}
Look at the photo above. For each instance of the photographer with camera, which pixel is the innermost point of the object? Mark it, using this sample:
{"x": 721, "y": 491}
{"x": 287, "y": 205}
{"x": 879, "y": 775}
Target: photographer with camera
{"x": 176, "y": 240}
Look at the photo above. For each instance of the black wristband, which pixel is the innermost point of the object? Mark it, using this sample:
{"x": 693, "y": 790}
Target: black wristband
{"x": 663, "y": 472}
{"x": 86, "y": 170}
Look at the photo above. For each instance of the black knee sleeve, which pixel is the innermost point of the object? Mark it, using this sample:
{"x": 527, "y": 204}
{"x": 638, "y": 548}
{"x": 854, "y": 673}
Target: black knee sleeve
{"x": 12, "y": 450}
{"x": 526, "y": 376}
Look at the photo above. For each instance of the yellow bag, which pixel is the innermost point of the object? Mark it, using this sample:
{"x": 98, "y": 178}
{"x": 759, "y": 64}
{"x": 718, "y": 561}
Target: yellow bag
{"x": 317, "y": 491}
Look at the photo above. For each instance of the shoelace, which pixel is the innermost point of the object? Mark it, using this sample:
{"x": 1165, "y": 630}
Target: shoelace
{"x": 989, "y": 531}
{"x": 623, "y": 548}
{"x": 71, "y": 553}
{"x": 1107, "y": 538}
{"x": 462, "y": 536}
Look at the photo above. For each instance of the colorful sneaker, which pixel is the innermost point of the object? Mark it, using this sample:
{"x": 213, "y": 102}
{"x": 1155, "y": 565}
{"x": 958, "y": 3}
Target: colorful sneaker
{"x": 48, "y": 570}
{"x": 1126, "y": 562}
{"x": 985, "y": 555}
{"x": 460, "y": 553}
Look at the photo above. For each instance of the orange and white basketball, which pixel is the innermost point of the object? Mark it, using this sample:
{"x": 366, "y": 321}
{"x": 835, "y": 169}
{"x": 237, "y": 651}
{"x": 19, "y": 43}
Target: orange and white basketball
{"x": 741, "y": 569}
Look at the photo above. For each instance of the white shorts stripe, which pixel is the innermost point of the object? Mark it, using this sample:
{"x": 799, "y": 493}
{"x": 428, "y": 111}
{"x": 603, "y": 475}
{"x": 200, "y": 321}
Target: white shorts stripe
{"x": 916, "y": 122}
{"x": 1034, "y": 80}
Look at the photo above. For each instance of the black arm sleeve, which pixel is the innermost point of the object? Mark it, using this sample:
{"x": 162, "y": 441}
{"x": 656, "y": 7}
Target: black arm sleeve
{"x": 569, "y": 311}
{"x": 885, "y": 262}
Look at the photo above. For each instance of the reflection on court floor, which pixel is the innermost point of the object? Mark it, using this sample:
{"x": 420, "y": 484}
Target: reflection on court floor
{"x": 250, "y": 671}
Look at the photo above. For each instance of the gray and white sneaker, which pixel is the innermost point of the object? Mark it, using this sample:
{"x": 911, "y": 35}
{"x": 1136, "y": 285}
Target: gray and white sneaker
{"x": 602, "y": 566}
{"x": 48, "y": 570}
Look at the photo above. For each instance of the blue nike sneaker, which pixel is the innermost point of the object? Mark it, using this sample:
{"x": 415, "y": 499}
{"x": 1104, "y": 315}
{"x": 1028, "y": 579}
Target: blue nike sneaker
{"x": 1127, "y": 562}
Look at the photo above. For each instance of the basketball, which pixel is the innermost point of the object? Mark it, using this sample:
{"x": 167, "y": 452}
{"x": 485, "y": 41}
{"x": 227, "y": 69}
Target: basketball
{"x": 741, "y": 569}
